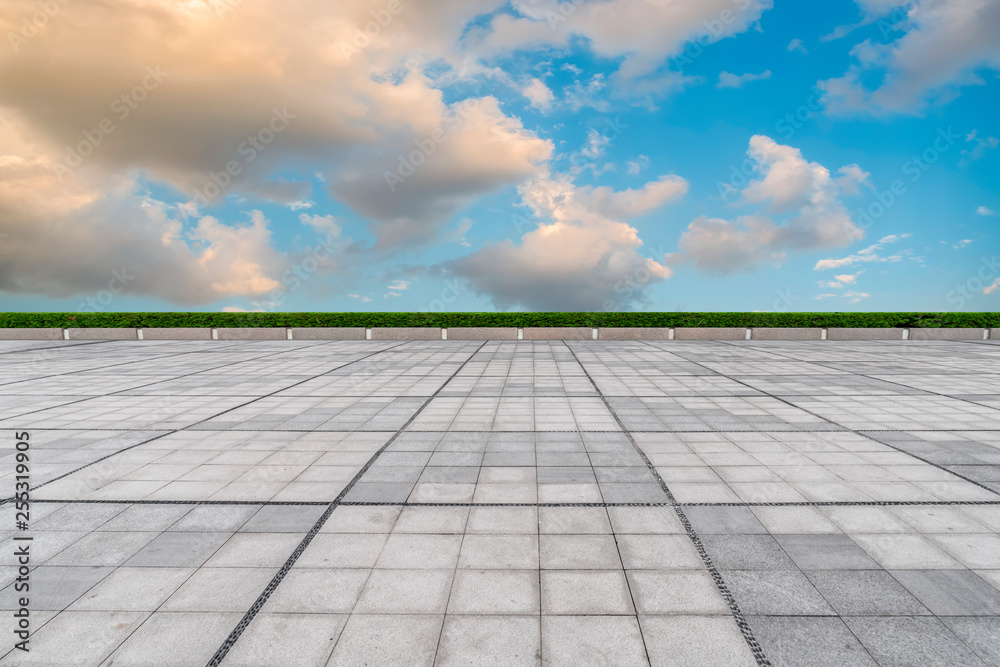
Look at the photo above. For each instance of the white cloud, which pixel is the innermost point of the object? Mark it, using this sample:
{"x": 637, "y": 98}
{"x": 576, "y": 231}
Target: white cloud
{"x": 644, "y": 34}
{"x": 982, "y": 210}
{"x": 637, "y": 165}
{"x": 398, "y": 285}
{"x": 979, "y": 148}
{"x": 962, "y": 244}
{"x": 350, "y": 115}
{"x": 538, "y": 94}
{"x": 989, "y": 289}
{"x": 945, "y": 43}
{"x": 324, "y": 224}
{"x": 790, "y": 185}
{"x": 631, "y": 203}
{"x": 237, "y": 309}
{"x": 728, "y": 80}
{"x": 579, "y": 257}
{"x": 479, "y": 150}
{"x": 850, "y": 296}
{"x": 796, "y": 45}
{"x": 867, "y": 255}
{"x": 362, "y": 299}
{"x": 841, "y": 280}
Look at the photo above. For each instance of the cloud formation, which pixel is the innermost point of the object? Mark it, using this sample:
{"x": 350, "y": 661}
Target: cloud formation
{"x": 581, "y": 256}
{"x": 867, "y": 255}
{"x": 729, "y": 80}
{"x": 248, "y": 99}
{"x": 945, "y": 43}
{"x": 803, "y": 193}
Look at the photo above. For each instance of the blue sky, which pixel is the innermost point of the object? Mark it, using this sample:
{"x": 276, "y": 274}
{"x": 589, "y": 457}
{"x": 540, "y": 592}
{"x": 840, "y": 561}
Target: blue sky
{"x": 598, "y": 155}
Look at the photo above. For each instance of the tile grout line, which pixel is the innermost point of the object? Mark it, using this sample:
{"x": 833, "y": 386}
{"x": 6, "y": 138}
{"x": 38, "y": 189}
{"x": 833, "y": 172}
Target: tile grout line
{"x": 720, "y": 584}
{"x": 860, "y": 432}
{"x": 375, "y": 430}
{"x": 278, "y": 391}
{"x": 391, "y": 503}
{"x": 172, "y": 431}
{"x": 258, "y": 604}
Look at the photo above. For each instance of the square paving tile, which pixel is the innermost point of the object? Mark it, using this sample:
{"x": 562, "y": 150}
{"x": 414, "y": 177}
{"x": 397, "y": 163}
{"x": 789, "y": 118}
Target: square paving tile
{"x": 799, "y": 502}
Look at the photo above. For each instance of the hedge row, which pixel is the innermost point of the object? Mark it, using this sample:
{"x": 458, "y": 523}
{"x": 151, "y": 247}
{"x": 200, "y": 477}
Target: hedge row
{"x": 636, "y": 319}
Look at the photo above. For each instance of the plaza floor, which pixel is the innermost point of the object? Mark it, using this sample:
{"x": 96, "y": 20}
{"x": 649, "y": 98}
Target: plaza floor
{"x": 511, "y": 503}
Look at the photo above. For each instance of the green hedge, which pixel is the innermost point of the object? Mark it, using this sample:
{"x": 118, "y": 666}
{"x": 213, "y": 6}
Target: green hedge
{"x": 154, "y": 320}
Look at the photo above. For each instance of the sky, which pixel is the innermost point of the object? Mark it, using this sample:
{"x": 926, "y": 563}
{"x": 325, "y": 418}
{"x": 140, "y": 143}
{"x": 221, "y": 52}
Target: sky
{"x": 480, "y": 155}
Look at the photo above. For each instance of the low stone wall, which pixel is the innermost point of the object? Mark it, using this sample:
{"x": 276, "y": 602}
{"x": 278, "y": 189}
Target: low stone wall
{"x": 786, "y": 333}
{"x": 178, "y": 333}
{"x": 865, "y": 334}
{"x": 100, "y": 334}
{"x": 710, "y": 333}
{"x": 405, "y": 333}
{"x": 31, "y": 334}
{"x": 635, "y": 333}
{"x": 482, "y": 333}
{"x": 328, "y": 333}
{"x": 249, "y": 333}
{"x": 558, "y": 333}
{"x": 501, "y": 333}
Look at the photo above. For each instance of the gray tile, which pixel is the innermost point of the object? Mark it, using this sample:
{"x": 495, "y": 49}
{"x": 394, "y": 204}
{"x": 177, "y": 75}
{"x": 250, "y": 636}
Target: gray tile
{"x": 215, "y": 518}
{"x": 803, "y": 641}
{"x": 414, "y": 551}
{"x": 501, "y": 592}
{"x": 175, "y": 639}
{"x": 293, "y": 639}
{"x": 387, "y": 640}
{"x": 55, "y": 588}
{"x": 675, "y": 592}
{"x": 906, "y": 641}
{"x": 585, "y": 552}
{"x": 318, "y": 591}
{"x": 178, "y": 549}
{"x": 406, "y": 592}
{"x": 133, "y": 589}
{"x": 775, "y": 593}
{"x": 583, "y": 640}
{"x": 78, "y": 638}
{"x": 951, "y": 592}
{"x": 489, "y": 640}
{"x": 746, "y": 552}
{"x": 865, "y": 593}
{"x": 590, "y": 592}
{"x": 702, "y": 641}
{"x": 826, "y": 552}
{"x": 100, "y": 548}
{"x": 982, "y": 635}
{"x": 724, "y": 521}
